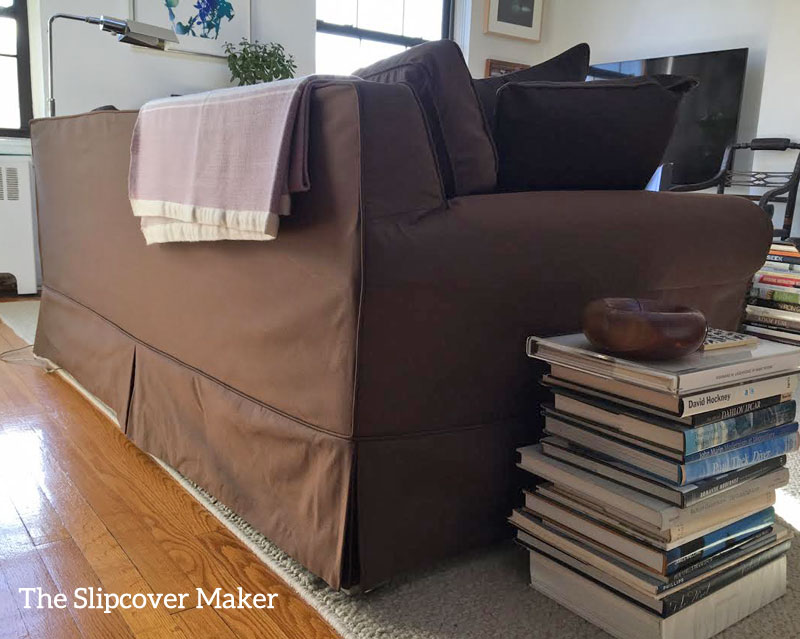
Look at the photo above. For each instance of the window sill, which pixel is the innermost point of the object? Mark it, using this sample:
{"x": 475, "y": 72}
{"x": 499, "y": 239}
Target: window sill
{"x": 15, "y": 146}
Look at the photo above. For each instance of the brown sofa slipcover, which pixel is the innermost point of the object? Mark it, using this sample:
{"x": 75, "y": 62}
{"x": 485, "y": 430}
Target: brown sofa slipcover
{"x": 356, "y": 388}
{"x": 461, "y": 136}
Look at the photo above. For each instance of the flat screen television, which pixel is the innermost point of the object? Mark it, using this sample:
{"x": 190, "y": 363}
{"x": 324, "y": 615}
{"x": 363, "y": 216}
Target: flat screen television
{"x": 709, "y": 115}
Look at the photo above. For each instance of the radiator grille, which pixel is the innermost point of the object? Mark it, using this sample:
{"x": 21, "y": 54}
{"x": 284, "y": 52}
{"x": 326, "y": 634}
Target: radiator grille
{"x": 9, "y": 183}
{"x": 12, "y": 183}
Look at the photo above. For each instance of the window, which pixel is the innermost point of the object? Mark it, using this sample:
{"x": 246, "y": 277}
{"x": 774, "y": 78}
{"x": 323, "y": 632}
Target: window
{"x": 15, "y": 72}
{"x": 355, "y": 33}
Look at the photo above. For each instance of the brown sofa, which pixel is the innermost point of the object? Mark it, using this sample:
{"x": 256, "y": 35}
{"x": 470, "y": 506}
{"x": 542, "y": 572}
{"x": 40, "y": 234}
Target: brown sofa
{"x": 356, "y": 388}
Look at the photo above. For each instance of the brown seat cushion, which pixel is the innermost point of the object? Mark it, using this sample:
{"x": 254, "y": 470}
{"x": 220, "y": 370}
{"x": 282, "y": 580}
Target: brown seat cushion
{"x": 437, "y": 73}
{"x": 570, "y": 66}
{"x": 607, "y": 134}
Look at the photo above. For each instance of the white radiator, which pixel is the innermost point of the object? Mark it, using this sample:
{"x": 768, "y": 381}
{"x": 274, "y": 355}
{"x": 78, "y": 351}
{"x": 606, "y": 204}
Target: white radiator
{"x": 18, "y": 245}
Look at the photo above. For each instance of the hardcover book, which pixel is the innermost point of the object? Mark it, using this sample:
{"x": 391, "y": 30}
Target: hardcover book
{"x": 672, "y": 434}
{"x": 772, "y": 317}
{"x": 774, "y": 333}
{"x": 659, "y": 561}
{"x": 695, "y": 372}
{"x": 536, "y": 533}
{"x": 697, "y": 419}
{"x": 680, "y": 597}
{"x": 768, "y": 475}
{"x": 628, "y": 619}
{"x": 681, "y": 405}
{"x": 777, "y": 293}
{"x": 659, "y": 514}
{"x": 760, "y": 447}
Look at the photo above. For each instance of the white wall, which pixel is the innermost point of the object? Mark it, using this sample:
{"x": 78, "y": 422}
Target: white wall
{"x": 634, "y": 29}
{"x": 780, "y": 95}
{"x": 91, "y": 69}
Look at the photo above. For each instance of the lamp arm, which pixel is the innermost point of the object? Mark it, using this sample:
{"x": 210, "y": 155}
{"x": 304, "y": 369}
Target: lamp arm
{"x": 51, "y": 102}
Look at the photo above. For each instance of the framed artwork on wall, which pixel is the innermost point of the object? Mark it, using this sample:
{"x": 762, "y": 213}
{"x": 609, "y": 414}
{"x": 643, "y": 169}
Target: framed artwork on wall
{"x": 495, "y": 68}
{"x": 521, "y": 19}
{"x": 202, "y": 26}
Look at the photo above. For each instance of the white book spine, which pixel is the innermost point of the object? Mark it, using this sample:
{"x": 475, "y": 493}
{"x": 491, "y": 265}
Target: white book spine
{"x": 735, "y": 373}
{"x": 626, "y": 620}
{"x": 733, "y": 395}
{"x": 656, "y": 513}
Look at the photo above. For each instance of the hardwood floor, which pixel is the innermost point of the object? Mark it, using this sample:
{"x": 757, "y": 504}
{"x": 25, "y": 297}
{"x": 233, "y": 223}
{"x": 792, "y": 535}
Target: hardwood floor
{"x": 80, "y": 507}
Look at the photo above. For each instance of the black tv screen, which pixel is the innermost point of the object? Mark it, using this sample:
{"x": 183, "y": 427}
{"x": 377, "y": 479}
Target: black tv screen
{"x": 708, "y": 116}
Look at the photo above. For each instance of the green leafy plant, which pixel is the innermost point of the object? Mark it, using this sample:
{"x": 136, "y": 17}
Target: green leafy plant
{"x": 253, "y": 62}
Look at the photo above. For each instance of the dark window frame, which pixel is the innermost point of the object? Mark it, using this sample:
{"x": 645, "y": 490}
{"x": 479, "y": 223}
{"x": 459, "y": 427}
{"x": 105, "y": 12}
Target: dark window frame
{"x": 19, "y": 12}
{"x": 350, "y": 31}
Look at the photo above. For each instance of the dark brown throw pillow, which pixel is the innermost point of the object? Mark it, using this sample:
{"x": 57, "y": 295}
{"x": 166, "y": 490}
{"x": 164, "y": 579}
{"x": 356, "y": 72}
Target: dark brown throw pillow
{"x": 570, "y": 66}
{"x": 607, "y": 134}
{"x": 437, "y": 73}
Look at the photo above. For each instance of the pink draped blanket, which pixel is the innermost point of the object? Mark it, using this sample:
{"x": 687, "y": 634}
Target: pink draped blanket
{"x": 221, "y": 165}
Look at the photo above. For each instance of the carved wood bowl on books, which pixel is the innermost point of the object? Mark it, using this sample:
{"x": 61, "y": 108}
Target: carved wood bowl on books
{"x": 643, "y": 329}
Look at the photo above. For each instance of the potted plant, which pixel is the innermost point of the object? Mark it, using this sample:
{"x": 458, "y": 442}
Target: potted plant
{"x": 254, "y": 62}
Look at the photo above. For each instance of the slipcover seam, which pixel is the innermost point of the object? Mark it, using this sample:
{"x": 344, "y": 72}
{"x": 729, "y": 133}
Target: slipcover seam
{"x": 350, "y": 438}
{"x": 197, "y": 370}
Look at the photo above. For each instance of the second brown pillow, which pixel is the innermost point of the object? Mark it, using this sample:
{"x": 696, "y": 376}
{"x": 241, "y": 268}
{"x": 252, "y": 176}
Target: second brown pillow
{"x": 585, "y": 135}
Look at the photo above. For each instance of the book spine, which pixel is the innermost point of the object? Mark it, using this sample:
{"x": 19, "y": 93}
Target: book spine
{"x": 778, "y": 306}
{"x": 708, "y": 436}
{"x": 732, "y": 395}
{"x": 780, "y": 267}
{"x": 759, "y": 540}
{"x": 772, "y": 334}
{"x": 749, "y": 440}
{"x": 786, "y": 330}
{"x": 777, "y": 293}
{"x": 786, "y": 259}
{"x": 688, "y": 596}
{"x": 776, "y": 279}
{"x": 722, "y": 414}
{"x": 714, "y": 485}
{"x": 740, "y": 457}
{"x": 771, "y": 320}
{"x": 716, "y": 540}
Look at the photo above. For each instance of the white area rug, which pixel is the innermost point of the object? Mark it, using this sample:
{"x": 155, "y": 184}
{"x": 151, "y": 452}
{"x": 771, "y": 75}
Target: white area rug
{"x": 478, "y": 596}
{"x": 21, "y": 317}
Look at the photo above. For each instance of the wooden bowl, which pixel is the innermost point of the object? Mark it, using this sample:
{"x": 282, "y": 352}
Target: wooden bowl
{"x": 643, "y": 329}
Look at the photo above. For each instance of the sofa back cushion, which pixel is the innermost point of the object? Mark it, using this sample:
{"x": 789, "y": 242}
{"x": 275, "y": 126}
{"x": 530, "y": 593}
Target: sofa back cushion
{"x": 570, "y": 66}
{"x": 437, "y": 73}
{"x": 607, "y": 134}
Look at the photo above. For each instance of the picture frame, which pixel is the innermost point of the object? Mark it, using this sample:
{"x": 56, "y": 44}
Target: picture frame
{"x": 519, "y": 19}
{"x": 228, "y": 21}
{"x": 495, "y": 68}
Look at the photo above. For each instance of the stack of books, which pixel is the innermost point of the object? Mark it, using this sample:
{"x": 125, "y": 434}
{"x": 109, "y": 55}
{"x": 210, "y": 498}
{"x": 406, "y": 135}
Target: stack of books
{"x": 773, "y": 310}
{"x": 655, "y": 518}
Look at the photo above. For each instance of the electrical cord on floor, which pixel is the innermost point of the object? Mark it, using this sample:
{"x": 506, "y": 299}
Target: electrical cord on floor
{"x": 32, "y": 360}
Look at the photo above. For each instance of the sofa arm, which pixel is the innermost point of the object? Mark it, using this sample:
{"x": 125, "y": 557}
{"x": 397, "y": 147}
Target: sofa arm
{"x": 399, "y": 169}
{"x": 450, "y": 298}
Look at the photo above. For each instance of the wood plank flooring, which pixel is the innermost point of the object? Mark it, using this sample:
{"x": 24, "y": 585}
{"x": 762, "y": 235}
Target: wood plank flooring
{"x": 81, "y": 506}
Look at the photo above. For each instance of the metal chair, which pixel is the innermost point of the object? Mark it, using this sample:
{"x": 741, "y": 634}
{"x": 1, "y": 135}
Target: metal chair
{"x": 781, "y": 186}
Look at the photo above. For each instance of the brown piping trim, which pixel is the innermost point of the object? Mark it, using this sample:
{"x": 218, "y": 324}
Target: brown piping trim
{"x": 196, "y": 370}
{"x": 361, "y": 243}
{"x": 362, "y": 438}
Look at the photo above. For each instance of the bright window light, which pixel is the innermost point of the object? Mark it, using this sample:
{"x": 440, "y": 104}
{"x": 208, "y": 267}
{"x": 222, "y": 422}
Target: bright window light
{"x": 341, "y": 55}
{"x": 381, "y": 15}
{"x": 787, "y": 507}
{"x": 423, "y": 19}
{"x": 9, "y": 94}
{"x": 357, "y": 33}
{"x": 8, "y": 36}
{"x": 337, "y": 11}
